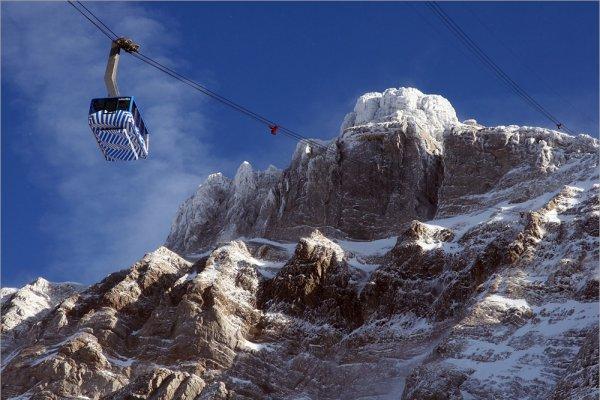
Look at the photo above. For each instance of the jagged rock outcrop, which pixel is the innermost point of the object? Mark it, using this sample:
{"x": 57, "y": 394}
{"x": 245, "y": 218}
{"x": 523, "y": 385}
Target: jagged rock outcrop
{"x": 389, "y": 149}
{"x": 24, "y": 307}
{"x": 479, "y": 279}
{"x": 86, "y": 345}
{"x": 223, "y": 209}
{"x": 431, "y": 112}
{"x": 428, "y": 382}
{"x": 513, "y": 163}
{"x": 401, "y": 155}
{"x": 316, "y": 284}
{"x": 162, "y": 383}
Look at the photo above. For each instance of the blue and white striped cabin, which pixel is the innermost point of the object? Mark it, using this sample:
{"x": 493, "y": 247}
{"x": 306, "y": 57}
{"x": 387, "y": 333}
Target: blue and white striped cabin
{"x": 118, "y": 127}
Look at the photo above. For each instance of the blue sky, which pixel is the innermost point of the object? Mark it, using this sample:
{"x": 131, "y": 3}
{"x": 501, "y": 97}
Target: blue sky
{"x": 68, "y": 215}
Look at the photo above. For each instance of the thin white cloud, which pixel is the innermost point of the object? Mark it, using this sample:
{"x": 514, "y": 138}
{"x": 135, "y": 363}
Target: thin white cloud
{"x": 110, "y": 213}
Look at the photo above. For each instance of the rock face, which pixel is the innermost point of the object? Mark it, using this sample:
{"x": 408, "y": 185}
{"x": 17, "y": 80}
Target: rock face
{"x": 24, "y": 307}
{"x": 478, "y": 279}
{"x": 223, "y": 209}
{"x": 389, "y": 148}
{"x": 316, "y": 283}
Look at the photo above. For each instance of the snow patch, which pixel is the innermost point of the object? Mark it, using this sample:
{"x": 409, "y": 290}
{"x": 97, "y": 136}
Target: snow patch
{"x": 121, "y": 362}
{"x": 370, "y": 248}
{"x": 505, "y": 303}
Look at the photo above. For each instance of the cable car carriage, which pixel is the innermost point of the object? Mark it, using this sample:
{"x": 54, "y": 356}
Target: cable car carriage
{"x": 116, "y": 121}
{"x": 118, "y": 127}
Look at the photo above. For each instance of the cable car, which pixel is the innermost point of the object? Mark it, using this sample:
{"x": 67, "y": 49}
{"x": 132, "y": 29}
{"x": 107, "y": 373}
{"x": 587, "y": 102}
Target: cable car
{"x": 115, "y": 120}
{"x": 119, "y": 129}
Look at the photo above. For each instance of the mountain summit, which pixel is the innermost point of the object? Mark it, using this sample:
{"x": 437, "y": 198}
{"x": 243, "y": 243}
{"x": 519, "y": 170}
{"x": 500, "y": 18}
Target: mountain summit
{"x": 414, "y": 256}
{"x": 432, "y": 113}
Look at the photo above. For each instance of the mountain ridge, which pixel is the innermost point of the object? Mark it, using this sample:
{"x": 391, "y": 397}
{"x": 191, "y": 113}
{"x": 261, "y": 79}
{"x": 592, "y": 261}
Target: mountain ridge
{"x": 398, "y": 144}
{"x": 461, "y": 264}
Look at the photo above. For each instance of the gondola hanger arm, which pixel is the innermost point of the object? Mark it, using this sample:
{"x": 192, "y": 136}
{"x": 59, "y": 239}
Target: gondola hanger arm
{"x": 112, "y": 66}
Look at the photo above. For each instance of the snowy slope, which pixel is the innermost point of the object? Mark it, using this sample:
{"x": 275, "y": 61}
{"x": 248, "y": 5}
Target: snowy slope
{"x": 30, "y": 300}
{"x": 23, "y": 307}
{"x": 5, "y": 293}
{"x": 526, "y": 322}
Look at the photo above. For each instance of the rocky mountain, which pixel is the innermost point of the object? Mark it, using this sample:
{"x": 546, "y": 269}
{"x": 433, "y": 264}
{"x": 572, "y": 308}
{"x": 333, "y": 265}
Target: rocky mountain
{"x": 412, "y": 257}
{"x": 388, "y": 149}
{"x": 24, "y": 307}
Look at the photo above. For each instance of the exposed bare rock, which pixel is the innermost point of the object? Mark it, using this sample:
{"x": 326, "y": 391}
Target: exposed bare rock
{"x": 22, "y": 308}
{"x": 315, "y": 284}
{"x": 79, "y": 347}
{"x": 581, "y": 379}
{"x": 393, "y": 154}
{"x": 422, "y": 277}
{"x": 162, "y": 383}
{"x": 224, "y": 209}
{"x": 167, "y": 329}
{"x": 434, "y": 382}
{"x": 514, "y": 163}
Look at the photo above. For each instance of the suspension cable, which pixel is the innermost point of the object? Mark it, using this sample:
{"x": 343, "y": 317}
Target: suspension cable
{"x": 532, "y": 70}
{"x": 448, "y": 22}
{"x": 487, "y": 61}
{"x": 475, "y": 49}
{"x": 107, "y": 34}
{"x": 259, "y": 118}
{"x": 226, "y": 101}
{"x": 96, "y": 21}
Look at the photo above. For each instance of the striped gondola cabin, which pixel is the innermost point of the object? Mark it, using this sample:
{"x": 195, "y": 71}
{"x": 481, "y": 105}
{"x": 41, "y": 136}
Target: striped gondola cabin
{"x": 118, "y": 128}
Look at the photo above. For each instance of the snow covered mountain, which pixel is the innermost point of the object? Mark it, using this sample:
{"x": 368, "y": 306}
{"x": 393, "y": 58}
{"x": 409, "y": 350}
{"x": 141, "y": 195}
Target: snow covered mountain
{"x": 416, "y": 257}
